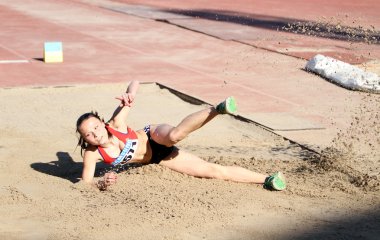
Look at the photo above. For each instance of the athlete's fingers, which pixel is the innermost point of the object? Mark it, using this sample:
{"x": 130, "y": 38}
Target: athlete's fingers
{"x": 110, "y": 175}
{"x": 110, "y": 181}
{"x": 121, "y": 101}
{"x": 111, "y": 178}
{"x": 127, "y": 99}
{"x": 130, "y": 99}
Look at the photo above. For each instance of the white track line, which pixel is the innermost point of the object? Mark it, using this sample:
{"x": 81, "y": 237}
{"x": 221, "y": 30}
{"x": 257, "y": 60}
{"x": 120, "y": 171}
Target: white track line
{"x": 13, "y": 61}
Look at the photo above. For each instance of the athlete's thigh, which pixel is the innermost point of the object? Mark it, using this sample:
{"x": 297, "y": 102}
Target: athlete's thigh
{"x": 160, "y": 133}
{"x": 184, "y": 162}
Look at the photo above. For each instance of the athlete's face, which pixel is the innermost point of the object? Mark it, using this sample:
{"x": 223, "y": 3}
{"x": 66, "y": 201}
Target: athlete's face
{"x": 93, "y": 131}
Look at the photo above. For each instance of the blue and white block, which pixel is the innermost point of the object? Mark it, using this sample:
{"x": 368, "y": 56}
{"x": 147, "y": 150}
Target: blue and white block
{"x": 53, "y": 52}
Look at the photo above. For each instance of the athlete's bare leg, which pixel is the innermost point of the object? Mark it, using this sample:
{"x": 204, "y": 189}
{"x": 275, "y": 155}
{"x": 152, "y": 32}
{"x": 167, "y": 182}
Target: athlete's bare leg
{"x": 169, "y": 135}
{"x": 192, "y": 165}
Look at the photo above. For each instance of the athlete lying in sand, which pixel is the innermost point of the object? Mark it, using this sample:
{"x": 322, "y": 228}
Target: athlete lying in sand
{"x": 117, "y": 144}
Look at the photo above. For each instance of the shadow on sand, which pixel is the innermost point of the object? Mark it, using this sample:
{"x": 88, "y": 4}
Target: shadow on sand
{"x": 65, "y": 167}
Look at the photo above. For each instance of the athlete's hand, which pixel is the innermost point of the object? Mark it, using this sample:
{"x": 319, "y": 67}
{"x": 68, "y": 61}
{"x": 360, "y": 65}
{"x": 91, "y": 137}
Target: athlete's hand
{"x": 110, "y": 178}
{"x": 126, "y": 99}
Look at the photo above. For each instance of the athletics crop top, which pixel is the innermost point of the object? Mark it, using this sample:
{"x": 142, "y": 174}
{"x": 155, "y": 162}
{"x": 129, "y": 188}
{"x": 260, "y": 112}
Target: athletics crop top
{"x": 129, "y": 139}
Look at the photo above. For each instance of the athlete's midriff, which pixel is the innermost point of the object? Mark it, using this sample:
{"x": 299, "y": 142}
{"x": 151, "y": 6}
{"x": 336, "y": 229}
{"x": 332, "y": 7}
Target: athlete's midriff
{"x": 143, "y": 154}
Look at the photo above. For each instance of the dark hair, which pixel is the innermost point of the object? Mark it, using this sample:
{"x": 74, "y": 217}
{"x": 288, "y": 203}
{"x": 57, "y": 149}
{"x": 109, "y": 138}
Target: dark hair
{"x": 81, "y": 142}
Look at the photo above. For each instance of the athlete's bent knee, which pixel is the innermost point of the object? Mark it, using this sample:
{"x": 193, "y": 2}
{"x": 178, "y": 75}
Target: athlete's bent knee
{"x": 176, "y": 135}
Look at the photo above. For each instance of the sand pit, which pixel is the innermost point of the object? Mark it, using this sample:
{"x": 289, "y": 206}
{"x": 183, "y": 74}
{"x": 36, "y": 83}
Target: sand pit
{"x": 41, "y": 197}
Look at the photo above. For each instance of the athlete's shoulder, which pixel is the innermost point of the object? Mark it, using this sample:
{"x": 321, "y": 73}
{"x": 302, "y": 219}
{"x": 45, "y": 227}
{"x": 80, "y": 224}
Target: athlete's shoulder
{"x": 92, "y": 153}
{"x": 91, "y": 148}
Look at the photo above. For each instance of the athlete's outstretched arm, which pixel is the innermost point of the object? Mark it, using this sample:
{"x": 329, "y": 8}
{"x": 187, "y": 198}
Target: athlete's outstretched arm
{"x": 119, "y": 117}
{"x": 89, "y": 164}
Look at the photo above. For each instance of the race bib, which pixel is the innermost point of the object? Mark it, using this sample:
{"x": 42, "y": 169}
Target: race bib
{"x": 127, "y": 153}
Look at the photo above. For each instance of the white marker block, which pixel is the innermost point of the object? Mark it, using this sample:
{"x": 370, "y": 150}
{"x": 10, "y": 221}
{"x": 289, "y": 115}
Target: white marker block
{"x": 53, "y": 52}
{"x": 344, "y": 74}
